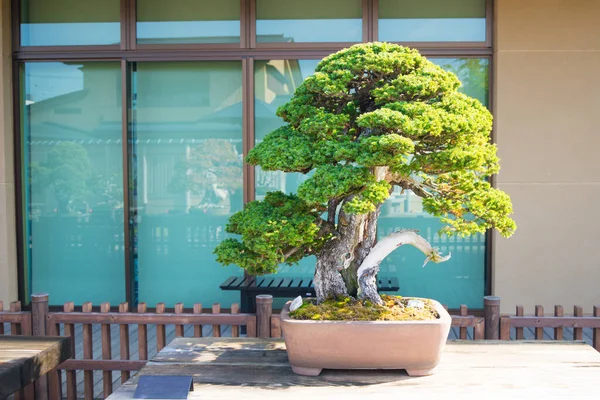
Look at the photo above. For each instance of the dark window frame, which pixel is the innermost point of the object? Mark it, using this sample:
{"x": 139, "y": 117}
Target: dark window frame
{"x": 129, "y": 51}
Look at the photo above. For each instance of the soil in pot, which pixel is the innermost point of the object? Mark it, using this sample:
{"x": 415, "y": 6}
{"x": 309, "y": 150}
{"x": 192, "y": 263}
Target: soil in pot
{"x": 396, "y": 308}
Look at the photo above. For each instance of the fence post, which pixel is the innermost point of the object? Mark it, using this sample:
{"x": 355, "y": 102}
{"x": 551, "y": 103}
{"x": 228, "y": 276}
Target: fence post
{"x": 264, "y": 310}
{"x": 39, "y": 311}
{"x": 491, "y": 309}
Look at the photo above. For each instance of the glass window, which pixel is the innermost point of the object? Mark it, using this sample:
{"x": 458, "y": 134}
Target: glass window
{"x": 70, "y": 22}
{"x": 188, "y": 21}
{"x": 289, "y": 21}
{"x": 187, "y": 177}
{"x": 473, "y": 74}
{"x": 460, "y": 280}
{"x": 73, "y": 184}
{"x": 274, "y": 84}
{"x": 432, "y": 20}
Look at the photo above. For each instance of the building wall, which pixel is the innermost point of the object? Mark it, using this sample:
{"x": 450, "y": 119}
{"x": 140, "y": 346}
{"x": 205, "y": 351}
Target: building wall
{"x": 547, "y": 85}
{"x": 8, "y": 258}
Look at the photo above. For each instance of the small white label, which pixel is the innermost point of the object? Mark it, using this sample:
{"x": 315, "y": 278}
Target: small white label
{"x": 296, "y": 303}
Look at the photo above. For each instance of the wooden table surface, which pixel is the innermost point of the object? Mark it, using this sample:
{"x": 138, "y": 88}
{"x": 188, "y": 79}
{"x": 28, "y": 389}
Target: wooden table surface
{"x": 23, "y": 359}
{"x": 226, "y": 368}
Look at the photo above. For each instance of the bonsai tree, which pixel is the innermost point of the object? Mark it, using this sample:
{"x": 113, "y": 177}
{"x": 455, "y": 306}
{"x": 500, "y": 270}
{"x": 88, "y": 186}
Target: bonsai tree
{"x": 372, "y": 117}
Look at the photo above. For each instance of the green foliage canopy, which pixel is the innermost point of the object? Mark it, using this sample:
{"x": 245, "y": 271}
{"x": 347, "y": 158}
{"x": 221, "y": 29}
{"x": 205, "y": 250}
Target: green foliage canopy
{"x": 372, "y": 116}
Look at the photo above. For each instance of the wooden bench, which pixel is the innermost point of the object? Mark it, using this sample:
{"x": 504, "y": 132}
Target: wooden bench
{"x": 250, "y": 287}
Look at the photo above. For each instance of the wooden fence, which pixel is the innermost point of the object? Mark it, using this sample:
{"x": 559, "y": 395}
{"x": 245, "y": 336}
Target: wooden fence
{"x": 558, "y": 322}
{"x": 150, "y": 326}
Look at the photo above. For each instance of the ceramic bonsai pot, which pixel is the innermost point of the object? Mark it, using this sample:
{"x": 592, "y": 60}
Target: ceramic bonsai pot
{"x": 414, "y": 346}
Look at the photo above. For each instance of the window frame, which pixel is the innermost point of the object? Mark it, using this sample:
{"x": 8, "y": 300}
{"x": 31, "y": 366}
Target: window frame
{"x": 248, "y": 50}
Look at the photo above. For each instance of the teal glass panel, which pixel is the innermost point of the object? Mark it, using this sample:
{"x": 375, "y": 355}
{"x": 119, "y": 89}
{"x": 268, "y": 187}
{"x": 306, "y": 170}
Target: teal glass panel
{"x": 432, "y": 21}
{"x": 461, "y": 280}
{"x": 473, "y": 74}
{"x": 70, "y": 22}
{"x": 73, "y": 183}
{"x": 289, "y": 21}
{"x": 274, "y": 84}
{"x": 187, "y": 177}
{"x": 188, "y": 21}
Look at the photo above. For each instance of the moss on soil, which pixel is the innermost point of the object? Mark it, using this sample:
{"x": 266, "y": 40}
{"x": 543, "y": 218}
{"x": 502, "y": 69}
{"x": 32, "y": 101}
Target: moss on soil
{"x": 348, "y": 309}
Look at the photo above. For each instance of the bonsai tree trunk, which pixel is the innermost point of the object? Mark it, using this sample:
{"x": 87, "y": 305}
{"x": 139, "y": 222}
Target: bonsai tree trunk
{"x": 369, "y": 268}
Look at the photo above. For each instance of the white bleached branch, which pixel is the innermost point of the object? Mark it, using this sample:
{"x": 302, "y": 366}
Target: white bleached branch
{"x": 391, "y": 242}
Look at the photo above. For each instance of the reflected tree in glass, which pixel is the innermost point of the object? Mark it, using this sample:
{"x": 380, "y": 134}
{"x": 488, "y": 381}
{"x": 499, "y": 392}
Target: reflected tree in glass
{"x": 212, "y": 172}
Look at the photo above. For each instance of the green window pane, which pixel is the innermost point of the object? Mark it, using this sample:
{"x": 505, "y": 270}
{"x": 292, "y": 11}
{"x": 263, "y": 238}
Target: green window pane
{"x": 461, "y": 280}
{"x": 473, "y": 74}
{"x": 70, "y": 22}
{"x": 432, "y": 21}
{"x": 73, "y": 180}
{"x": 288, "y": 21}
{"x": 187, "y": 177}
{"x": 274, "y": 84}
{"x": 188, "y": 21}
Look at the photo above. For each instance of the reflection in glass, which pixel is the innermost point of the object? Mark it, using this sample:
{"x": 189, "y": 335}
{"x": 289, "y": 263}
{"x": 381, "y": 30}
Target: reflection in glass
{"x": 473, "y": 73}
{"x": 70, "y": 22}
{"x": 274, "y": 84}
{"x": 461, "y": 280}
{"x": 432, "y": 20}
{"x": 288, "y": 21}
{"x": 188, "y": 21}
{"x": 73, "y": 181}
{"x": 187, "y": 177}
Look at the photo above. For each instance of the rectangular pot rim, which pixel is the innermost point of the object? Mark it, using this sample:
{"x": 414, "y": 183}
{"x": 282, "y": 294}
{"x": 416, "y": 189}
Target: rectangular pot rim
{"x": 444, "y": 316}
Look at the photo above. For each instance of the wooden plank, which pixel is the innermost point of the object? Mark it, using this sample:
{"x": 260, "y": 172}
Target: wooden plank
{"x": 558, "y": 332}
{"x": 251, "y": 326}
{"x": 160, "y": 329}
{"x": 260, "y": 281}
{"x": 577, "y": 332}
{"x": 142, "y": 334}
{"x": 463, "y": 330}
{"x": 1, "y": 320}
{"x": 276, "y": 283}
{"x": 479, "y": 329}
{"x": 198, "y": 328}
{"x": 519, "y": 331}
{"x": 150, "y": 318}
{"x": 32, "y": 357}
{"x": 124, "y": 341}
{"x": 539, "y": 332}
{"x": 225, "y": 285}
{"x": 553, "y": 322}
{"x": 275, "y": 326}
{"x": 104, "y": 365}
{"x": 286, "y": 282}
{"x": 15, "y": 327}
{"x": 71, "y": 383}
{"x": 179, "y": 327}
{"x": 88, "y": 349}
{"x": 216, "y": 309}
{"x": 554, "y": 370}
{"x": 235, "y": 329}
{"x": 596, "y": 335}
{"x": 107, "y": 388}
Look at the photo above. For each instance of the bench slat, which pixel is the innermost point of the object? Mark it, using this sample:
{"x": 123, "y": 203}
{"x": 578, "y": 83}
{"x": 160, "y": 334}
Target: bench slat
{"x": 228, "y": 282}
{"x": 276, "y": 283}
{"x": 260, "y": 281}
{"x": 286, "y": 283}
{"x": 248, "y": 282}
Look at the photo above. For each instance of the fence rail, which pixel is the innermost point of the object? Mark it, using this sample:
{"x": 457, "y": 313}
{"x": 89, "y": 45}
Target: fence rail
{"x": 558, "y": 322}
{"x": 125, "y": 339}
